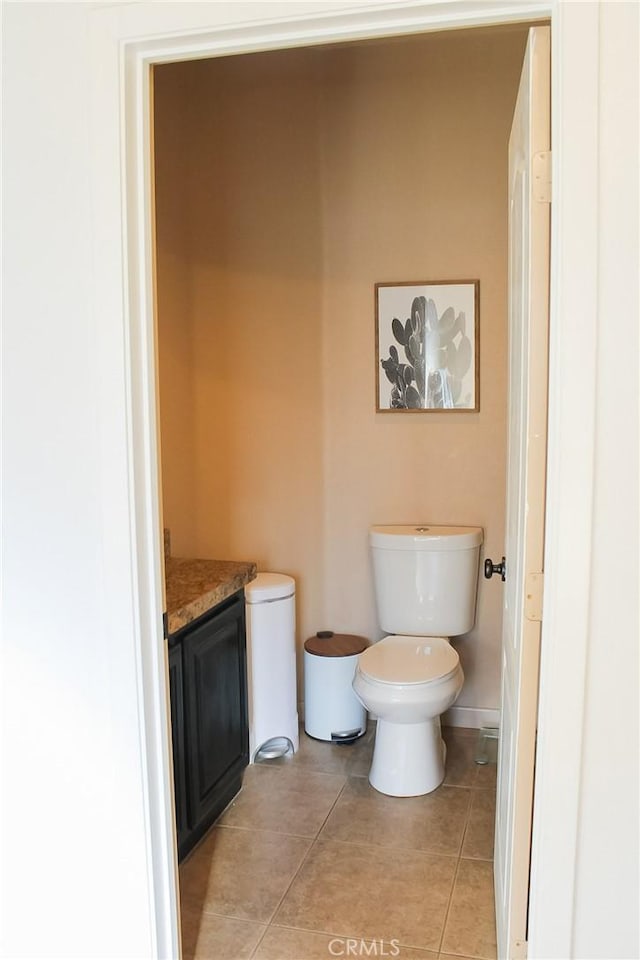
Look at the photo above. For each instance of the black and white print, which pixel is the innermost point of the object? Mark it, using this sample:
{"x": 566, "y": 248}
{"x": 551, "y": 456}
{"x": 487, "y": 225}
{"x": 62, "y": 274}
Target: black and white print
{"x": 427, "y": 346}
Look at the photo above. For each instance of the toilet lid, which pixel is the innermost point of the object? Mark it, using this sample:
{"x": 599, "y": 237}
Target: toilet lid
{"x": 399, "y": 659}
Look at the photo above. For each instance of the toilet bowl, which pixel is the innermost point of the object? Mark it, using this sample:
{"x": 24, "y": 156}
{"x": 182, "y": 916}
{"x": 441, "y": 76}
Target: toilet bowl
{"x": 408, "y": 682}
{"x": 425, "y": 580}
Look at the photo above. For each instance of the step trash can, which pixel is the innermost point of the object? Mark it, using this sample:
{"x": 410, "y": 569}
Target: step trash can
{"x": 331, "y": 709}
{"x": 271, "y": 666}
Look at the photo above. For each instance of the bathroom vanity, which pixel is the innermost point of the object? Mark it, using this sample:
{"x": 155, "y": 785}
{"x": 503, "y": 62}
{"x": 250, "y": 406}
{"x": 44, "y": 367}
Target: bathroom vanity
{"x": 205, "y": 626}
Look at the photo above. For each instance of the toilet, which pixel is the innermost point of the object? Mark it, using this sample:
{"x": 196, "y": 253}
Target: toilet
{"x": 426, "y": 580}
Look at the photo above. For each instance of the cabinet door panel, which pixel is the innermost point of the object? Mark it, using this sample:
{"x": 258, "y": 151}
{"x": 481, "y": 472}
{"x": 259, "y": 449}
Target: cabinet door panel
{"x": 176, "y": 682}
{"x": 215, "y": 683}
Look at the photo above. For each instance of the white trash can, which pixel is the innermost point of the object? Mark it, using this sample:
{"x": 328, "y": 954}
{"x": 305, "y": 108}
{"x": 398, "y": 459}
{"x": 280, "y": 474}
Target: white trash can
{"x": 271, "y": 666}
{"x": 331, "y": 709}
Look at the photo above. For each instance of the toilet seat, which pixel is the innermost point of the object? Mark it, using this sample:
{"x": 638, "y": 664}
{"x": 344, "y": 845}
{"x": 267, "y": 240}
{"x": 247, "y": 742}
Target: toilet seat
{"x": 409, "y": 660}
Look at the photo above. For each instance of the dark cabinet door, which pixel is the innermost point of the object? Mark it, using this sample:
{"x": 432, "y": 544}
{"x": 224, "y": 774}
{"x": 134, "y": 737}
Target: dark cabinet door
{"x": 217, "y": 734}
{"x": 176, "y": 694}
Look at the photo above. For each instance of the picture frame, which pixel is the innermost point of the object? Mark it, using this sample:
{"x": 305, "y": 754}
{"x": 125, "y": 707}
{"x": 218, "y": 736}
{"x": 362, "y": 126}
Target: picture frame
{"x": 427, "y": 346}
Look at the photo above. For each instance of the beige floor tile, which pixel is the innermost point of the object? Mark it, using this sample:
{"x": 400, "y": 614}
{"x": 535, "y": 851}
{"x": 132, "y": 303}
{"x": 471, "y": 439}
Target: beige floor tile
{"x": 445, "y": 956}
{"x": 478, "y": 839}
{"x": 460, "y": 767}
{"x": 205, "y": 937}
{"x": 433, "y": 823}
{"x": 325, "y": 757}
{"x": 486, "y": 776}
{"x": 362, "y": 756}
{"x": 283, "y": 799}
{"x": 241, "y": 873}
{"x": 281, "y": 943}
{"x": 471, "y": 733}
{"x": 352, "y": 890}
{"x": 471, "y": 928}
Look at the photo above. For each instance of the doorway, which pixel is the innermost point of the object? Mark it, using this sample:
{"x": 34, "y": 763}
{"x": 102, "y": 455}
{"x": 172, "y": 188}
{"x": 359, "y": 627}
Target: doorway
{"x": 200, "y": 33}
{"x": 243, "y": 241}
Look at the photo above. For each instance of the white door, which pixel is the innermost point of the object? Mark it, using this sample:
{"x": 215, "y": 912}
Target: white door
{"x": 529, "y": 216}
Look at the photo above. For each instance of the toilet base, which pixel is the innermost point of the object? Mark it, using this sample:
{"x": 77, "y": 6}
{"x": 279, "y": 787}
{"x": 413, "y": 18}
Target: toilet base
{"x": 408, "y": 758}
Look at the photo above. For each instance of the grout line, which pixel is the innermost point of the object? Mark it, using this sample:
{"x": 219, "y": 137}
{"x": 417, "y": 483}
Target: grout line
{"x": 466, "y": 825}
{"x": 448, "y": 910}
{"x": 229, "y": 916}
{"x": 331, "y": 809}
{"x": 273, "y": 833}
{"x": 392, "y": 849}
{"x": 289, "y": 885}
{"x": 279, "y": 903}
{"x": 289, "y": 767}
{"x": 365, "y": 939}
{"x": 455, "y": 875}
{"x": 302, "y": 863}
{"x": 264, "y": 933}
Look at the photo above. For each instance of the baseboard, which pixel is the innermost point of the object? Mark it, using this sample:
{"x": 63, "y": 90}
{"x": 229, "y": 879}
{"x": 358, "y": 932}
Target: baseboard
{"x": 474, "y": 717}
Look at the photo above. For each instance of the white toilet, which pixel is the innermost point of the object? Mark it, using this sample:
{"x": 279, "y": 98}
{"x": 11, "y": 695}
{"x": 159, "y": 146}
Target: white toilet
{"x": 426, "y": 579}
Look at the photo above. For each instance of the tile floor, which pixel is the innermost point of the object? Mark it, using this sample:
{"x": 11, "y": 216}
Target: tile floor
{"x": 309, "y": 856}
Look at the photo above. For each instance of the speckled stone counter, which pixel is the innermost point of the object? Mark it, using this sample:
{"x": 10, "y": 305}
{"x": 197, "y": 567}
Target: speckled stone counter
{"x": 193, "y": 587}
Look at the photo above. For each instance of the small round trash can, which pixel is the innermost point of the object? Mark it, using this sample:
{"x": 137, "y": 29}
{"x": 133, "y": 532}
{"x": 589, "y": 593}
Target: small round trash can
{"x": 331, "y": 708}
{"x": 271, "y": 666}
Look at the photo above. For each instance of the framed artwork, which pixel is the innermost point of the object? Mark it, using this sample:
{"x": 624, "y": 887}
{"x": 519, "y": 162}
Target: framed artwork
{"x": 427, "y": 351}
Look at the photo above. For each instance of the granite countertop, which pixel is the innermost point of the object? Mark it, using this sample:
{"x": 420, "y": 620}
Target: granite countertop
{"x": 193, "y": 587}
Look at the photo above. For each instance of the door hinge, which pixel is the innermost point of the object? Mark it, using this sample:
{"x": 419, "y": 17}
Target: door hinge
{"x": 533, "y": 592}
{"x": 541, "y": 171}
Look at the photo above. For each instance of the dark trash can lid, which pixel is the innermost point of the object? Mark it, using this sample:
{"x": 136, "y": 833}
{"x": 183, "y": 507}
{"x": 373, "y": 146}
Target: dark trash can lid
{"x": 326, "y": 643}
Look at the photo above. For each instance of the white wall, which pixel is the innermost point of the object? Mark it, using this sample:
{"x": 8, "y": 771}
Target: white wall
{"x": 607, "y": 915}
{"x": 75, "y": 879}
{"x": 74, "y": 846}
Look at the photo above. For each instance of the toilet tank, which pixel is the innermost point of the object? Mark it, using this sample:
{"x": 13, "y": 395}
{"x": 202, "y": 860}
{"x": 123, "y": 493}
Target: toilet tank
{"x": 426, "y": 578}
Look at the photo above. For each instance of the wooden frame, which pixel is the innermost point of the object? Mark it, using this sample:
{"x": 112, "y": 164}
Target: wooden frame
{"x": 433, "y": 362}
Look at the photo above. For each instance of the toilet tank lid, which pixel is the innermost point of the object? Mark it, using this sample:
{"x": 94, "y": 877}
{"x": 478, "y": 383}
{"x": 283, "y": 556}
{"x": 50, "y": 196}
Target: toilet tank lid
{"x": 424, "y": 536}
{"x": 269, "y": 586}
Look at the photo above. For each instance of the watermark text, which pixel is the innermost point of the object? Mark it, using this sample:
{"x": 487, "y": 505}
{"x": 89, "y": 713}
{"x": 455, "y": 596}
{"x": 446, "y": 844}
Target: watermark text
{"x": 350, "y": 947}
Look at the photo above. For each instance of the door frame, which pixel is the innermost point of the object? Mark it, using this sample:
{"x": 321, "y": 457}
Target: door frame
{"x": 125, "y": 40}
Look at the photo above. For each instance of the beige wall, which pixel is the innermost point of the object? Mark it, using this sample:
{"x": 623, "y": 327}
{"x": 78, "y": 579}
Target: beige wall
{"x": 257, "y": 298}
{"x": 312, "y": 175}
{"x": 175, "y": 327}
